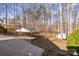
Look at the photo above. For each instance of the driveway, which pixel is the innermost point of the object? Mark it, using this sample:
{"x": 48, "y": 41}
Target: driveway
{"x": 19, "y": 48}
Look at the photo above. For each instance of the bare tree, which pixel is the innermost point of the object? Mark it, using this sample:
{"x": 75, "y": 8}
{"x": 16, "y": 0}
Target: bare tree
{"x": 15, "y": 16}
{"x": 69, "y": 18}
{"x": 6, "y": 14}
{"x": 23, "y": 16}
{"x": 61, "y": 23}
{"x": 77, "y": 19}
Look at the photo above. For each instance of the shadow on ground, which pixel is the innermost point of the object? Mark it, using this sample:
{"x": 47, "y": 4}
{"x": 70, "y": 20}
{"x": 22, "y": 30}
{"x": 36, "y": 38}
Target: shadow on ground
{"x": 50, "y": 48}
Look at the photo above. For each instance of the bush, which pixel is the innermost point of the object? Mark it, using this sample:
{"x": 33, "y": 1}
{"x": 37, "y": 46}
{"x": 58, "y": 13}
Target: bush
{"x": 73, "y": 41}
{"x": 2, "y": 29}
{"x": 73, "y": 38}
{"x": 72, "y": 49}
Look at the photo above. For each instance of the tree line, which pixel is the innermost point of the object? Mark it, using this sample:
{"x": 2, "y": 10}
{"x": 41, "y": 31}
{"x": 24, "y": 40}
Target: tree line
{"x": 45, "y": 19}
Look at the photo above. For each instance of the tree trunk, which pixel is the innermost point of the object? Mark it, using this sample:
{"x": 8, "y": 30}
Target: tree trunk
{"x": 6, "y": 15}
{"x": 23, "y": 16}
{"x": 77, "y": 20}
{"x": 15, "y": 16}
{"x": 69, "y": 19}
{"x": 61, "y": 23}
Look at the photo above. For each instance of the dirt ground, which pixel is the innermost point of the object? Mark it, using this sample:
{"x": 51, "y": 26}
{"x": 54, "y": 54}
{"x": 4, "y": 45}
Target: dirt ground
{"x": 52, "y": 47}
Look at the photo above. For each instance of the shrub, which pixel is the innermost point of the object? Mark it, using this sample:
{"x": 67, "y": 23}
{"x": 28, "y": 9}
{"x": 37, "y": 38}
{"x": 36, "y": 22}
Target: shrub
{"x": 73, "y": 42}
{"x": 1, "y": 28}
{"x": 73, "y": 38}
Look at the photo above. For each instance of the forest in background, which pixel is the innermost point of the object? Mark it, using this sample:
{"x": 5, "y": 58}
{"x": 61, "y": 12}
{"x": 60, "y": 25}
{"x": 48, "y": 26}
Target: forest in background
{"x": 53, "y": 18}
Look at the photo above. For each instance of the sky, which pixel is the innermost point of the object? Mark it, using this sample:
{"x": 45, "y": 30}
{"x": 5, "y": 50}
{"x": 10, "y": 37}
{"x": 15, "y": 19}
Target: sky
{"x": 10, "y": 8}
